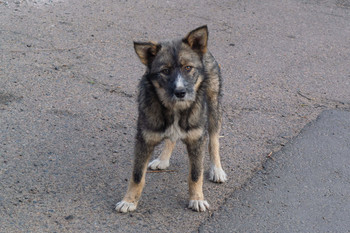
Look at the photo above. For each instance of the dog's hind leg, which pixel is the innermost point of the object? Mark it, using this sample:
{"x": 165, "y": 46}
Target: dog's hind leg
{"x": 143, "y": 151}
{"x": 162, "y": 162}
{"x": 216, "y": 173}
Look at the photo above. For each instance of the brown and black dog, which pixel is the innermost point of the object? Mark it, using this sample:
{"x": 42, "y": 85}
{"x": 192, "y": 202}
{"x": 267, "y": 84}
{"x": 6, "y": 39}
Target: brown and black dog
{"x": 179, "y": 98}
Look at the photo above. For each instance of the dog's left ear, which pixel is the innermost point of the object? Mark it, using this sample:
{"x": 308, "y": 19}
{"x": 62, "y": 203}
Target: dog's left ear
{"x": 197, "y": 39}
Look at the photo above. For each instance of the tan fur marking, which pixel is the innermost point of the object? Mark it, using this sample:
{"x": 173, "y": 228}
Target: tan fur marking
{"x": 198, "y": 34}
{"x": 155, "y": 84}
{"x": 168, "y": 149}
{"x": 189, "y": 58}
{"x": 213, "y": 88}
{"x": 134, "y": 190}
{"x": 142, "y": 58}
{"x": 143, "y": 48}
{"x": 198, "y": 83}
{"x": 194, "y": 134}
{"x": 181, "y": 105}
{"x": 212, "y": 95}
{"x": 196, "y": 188}
{"x": 214, "y": 150}
{"x": 152, "y": 137}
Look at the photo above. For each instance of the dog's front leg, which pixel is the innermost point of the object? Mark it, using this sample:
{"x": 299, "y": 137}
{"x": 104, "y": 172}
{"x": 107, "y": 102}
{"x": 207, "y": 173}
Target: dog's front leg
{"x": 162, "y": 162}
{"x": 216, "y": 174}
{"x": 195, "y": 179}
{"x": 143, "y": 151}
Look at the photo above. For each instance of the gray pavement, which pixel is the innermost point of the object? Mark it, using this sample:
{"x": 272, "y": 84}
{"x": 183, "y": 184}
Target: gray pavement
{"x": 68, "y": 86}
{"x": 305, "y": 187}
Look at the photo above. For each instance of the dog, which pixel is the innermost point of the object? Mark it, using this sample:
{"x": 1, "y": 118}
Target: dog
{"x": 179, "y": 98}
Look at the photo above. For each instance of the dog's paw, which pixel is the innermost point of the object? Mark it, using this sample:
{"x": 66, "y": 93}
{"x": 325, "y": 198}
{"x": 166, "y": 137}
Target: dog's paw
{"x": 198, "y": 205}
{"x": 217, "y": 175}
{"x": 158, "y": 164}
{"x": 124, "y": 207}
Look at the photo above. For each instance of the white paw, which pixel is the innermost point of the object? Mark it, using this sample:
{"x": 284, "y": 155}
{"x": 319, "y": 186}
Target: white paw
{"x": 198, "y": 205}
{"x": 217, "y": 175}
{"x": 124, "y": 207}
{"x": 158, "y": 164}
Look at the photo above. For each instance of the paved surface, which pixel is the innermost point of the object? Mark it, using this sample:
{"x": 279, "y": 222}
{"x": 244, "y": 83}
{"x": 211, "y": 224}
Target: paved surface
{"x": 68, "y": 84}
{"x": 304, "y": 188}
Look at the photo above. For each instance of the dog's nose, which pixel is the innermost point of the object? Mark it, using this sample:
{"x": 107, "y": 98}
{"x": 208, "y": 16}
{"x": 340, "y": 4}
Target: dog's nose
{"x": 180, "y": 93}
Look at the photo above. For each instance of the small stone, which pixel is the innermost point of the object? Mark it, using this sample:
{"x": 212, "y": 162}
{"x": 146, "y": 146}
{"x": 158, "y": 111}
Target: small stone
{"x": 69, "y": 217}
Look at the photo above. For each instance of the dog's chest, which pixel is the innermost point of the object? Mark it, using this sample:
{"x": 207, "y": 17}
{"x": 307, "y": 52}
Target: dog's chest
{"x": 174, "y": 131}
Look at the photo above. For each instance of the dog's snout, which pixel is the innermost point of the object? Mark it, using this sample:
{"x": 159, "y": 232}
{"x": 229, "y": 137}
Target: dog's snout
{"x": 180, "y": 93}
{"x": 180, "y": 90}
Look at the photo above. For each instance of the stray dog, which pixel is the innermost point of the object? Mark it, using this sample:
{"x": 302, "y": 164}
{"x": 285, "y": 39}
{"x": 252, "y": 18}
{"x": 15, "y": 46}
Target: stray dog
{"x": 179, "y": 98}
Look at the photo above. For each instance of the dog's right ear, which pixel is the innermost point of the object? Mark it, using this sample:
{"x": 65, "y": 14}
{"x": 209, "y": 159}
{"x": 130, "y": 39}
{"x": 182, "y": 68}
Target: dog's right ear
{"x": 146, "y": 51}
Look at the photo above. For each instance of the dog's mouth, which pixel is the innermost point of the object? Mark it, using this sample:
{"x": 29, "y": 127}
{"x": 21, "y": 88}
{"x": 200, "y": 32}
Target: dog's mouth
{"x": 179, "y": 99}
{"x": 182, "y": 101}
{"x": 181, "y": 104}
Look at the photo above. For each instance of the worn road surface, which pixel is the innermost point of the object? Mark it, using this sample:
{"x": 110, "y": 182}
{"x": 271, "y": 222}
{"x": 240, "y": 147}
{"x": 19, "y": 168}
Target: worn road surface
{"x": 68, "y": 86}
{"x": 305, "y": 187}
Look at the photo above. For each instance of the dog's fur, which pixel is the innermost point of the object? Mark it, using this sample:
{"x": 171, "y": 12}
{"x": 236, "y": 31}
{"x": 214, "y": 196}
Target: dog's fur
{"x": 179, "y": 98}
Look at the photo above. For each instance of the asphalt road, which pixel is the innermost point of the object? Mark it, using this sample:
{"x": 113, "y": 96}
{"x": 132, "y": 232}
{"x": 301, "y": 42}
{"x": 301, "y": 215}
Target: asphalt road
{"x": 305, "y": 187}
{"x": 68, "y": 86}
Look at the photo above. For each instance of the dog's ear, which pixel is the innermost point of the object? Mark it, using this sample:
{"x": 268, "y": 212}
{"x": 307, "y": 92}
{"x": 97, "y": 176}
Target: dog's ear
{"x": 197, "y": 39}
{"x": 146, "y": 51}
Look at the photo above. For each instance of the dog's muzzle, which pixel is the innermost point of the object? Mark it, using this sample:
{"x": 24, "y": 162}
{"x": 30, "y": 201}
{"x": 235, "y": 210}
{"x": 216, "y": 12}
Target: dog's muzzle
{"x": 180, "y": 91}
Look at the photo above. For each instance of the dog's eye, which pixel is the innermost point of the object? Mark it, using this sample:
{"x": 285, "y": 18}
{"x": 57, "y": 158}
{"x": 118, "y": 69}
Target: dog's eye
{"x": 188, "y": 68}
{"x": 166, "y": 71}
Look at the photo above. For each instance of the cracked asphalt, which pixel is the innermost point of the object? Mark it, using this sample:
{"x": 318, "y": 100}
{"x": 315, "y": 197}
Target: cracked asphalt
{"x": 68, "y": 86}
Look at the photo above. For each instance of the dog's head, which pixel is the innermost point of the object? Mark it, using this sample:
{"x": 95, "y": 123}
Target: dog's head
{"x": 175, "y": 68}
